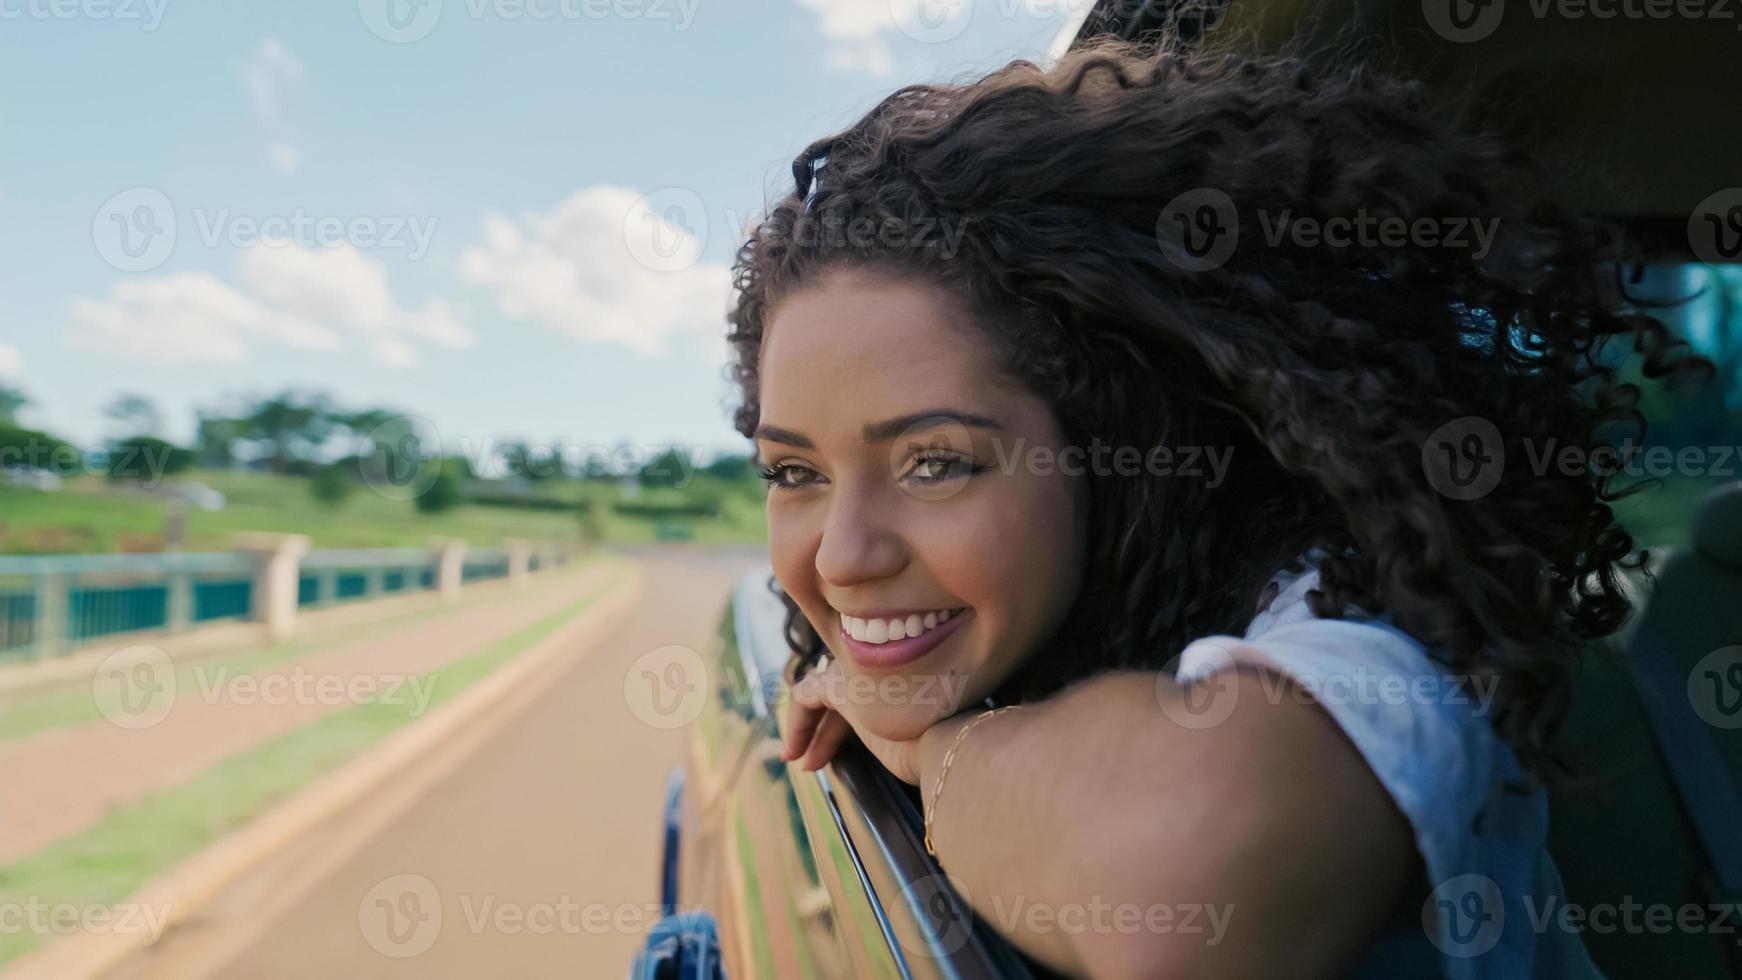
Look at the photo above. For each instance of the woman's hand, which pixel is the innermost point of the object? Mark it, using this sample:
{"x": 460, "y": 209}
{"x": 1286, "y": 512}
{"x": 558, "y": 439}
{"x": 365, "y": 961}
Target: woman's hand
{"x": 819, "y": 719}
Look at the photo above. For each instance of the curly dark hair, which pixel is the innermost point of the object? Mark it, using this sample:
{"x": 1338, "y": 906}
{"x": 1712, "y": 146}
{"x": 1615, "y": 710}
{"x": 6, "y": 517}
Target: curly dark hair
{"x": 1324, "y": 369}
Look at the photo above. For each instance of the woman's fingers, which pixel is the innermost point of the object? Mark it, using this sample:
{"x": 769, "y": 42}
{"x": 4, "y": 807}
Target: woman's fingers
{"x": 831, "y": 732}
{"x": 801, "y": 726}
{"x": 818, "y": 688}
{"x": 815, "y": 729}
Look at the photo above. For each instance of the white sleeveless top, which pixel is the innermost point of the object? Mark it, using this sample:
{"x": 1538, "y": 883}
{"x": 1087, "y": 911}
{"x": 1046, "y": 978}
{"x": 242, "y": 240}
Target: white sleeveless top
{"x": 1427, "y": 737}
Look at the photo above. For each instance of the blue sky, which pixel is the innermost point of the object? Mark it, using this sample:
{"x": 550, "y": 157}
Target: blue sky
{"x": 510, "y": 217}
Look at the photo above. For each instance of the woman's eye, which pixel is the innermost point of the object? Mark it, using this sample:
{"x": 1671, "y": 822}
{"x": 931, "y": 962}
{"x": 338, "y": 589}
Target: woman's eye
{"x": 933, "y": 468}
{"x": 788, "y": 476}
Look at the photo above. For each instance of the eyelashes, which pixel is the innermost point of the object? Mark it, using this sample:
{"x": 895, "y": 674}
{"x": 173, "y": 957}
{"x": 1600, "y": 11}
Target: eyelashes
{"x": 775, "y": 475}
{"x": 943, "y": 466}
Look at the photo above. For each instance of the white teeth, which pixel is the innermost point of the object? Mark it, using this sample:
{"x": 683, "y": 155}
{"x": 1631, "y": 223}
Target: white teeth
{"x": 886, "y": 630}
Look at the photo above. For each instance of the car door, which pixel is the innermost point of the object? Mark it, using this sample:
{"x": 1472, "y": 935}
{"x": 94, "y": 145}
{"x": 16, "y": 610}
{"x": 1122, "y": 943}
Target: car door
{"x": 803, "y": 874}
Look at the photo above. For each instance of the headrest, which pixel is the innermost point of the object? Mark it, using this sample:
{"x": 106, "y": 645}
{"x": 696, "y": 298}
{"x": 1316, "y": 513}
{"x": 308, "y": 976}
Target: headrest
{"x": 1717, "y": 533}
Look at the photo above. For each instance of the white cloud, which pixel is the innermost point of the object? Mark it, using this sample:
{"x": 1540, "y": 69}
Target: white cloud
{"x": 332, "y": 285}
{"x": 11, "y": 362}
{"x": 188, "y": 317}
{"x": 268, "y": 75}
{"x": 602, "y": 267}
{"x": 343, "y": 286}
{"x": 291, "y": 296}
{"x": 285, "y": 158}
{"x": 855, "y": 31}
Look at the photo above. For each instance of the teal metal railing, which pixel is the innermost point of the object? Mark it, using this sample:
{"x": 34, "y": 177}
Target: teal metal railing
{"x": 50, "y": 603}
{"x": 484, "y": 563}
{"x": 341, "y": 575}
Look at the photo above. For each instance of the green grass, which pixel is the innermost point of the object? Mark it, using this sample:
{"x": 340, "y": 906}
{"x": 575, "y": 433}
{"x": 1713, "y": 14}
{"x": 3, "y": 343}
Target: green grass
{"x": 60, "y": 706}
{"x": 91, "y": 514}
{"x": 140, "y": 841}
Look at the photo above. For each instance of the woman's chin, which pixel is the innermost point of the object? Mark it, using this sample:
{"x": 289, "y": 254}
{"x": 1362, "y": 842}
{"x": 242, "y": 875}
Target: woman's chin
{"x": 899, "y": 722}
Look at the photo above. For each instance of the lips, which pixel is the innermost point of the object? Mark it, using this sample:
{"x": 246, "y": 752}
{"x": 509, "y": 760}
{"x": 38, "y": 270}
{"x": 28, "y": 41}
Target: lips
{"x": 896, "y": 653}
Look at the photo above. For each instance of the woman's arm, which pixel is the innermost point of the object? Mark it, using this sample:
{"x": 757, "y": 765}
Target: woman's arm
{"x": 1103, "y": 837}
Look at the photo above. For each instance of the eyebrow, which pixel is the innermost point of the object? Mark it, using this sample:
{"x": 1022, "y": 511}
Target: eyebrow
{"x": 877, "y": 432}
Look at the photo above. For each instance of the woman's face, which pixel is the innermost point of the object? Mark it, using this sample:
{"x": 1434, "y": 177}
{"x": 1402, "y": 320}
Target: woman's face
{"x": 915, "y": 486}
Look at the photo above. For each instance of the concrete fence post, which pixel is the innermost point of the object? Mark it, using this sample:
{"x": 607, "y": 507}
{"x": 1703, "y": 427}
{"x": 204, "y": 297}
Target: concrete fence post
{"x": 519, "y": 558}
{"x": 49, "y": 624}
{"x": 180, "y": 602}
{"x": 450, "y": 566}
{"x": 277, "y": 569}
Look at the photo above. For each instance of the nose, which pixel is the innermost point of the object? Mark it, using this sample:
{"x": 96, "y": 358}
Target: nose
{"x": 860, "y": 540}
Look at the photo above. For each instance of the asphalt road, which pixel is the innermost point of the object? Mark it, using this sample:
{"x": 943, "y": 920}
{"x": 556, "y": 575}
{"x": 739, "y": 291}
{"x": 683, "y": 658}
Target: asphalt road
{"x": 536, "y": 856}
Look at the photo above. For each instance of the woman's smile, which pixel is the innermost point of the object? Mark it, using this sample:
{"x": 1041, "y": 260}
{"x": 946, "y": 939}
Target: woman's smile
{"x": 883, "y": 643}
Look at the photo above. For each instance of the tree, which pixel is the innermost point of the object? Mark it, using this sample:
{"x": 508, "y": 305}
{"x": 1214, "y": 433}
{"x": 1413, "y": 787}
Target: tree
{"x": 215, "y": 439}
{"x": 293, "y": 426}
{"x": 444, "y": 492}
{"x": 147, "y": 459}
{"x": 671, "y": 468}
{"x": 134, "y": 415}
{"x": 392, "y": 447}
{"x": 11, "y": 400}
{"x": 730, "y": 467}
{"x": 523, "y": 461}
{"x": 334, "y": 482}
{"x": 32, "y": 449}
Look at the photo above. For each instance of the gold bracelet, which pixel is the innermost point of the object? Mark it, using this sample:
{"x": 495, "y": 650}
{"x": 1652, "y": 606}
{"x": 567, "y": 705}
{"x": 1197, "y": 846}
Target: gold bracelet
{"x": 944, "y": 770}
